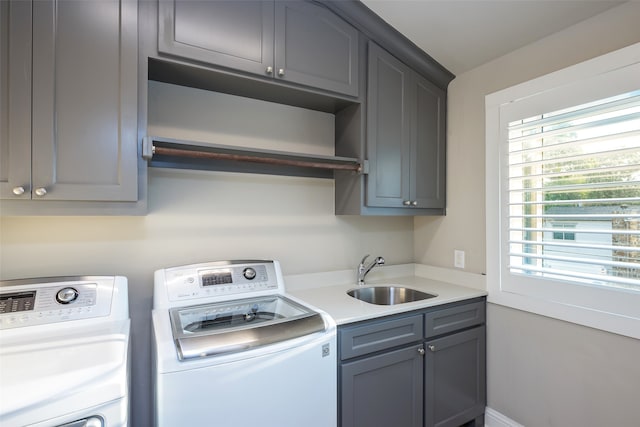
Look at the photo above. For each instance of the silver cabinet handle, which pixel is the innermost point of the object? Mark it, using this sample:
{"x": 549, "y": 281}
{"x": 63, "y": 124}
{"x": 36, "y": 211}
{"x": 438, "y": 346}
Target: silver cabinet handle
{"x": 40, "y": 191}
{"x": 18, "y": 191}
{"x": 281, "y": 72}
{"x": 421, "y": 351}
{"x": 406, "y": 202}
{"x": 269, "y": 70}
{"x": 431, "y": 347}
{"x": 414, "y": 203}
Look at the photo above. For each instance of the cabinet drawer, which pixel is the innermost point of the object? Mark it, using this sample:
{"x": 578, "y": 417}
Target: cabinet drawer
{"x": 358, "y": 340}
{"x": 451, "y": 319}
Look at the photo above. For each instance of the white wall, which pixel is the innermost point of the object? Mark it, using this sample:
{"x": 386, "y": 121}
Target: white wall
{"x": 541, "y": 372}
{"x": 199, "y": 216}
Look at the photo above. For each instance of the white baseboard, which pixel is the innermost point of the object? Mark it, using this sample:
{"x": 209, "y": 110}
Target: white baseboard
{"x": 493, "y": 418}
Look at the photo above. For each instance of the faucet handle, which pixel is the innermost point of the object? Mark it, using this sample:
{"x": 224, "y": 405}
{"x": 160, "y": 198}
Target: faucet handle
{"x": 364, "y": 259}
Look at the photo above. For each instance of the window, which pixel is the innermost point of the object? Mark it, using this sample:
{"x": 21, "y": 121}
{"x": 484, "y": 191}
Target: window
{"x": 563, "y": 185}
{"x": 580, "y": 164}
{"x": 555, "y": 226}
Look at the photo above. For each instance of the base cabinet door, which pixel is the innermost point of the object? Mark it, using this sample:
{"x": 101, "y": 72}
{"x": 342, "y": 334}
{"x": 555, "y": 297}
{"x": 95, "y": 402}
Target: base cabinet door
{"x": 455, "y": 378}
{"x": 383, "y": 390}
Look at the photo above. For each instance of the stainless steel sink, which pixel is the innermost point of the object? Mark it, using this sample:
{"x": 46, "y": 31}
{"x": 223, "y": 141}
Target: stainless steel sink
{"x": 388, "y": 295}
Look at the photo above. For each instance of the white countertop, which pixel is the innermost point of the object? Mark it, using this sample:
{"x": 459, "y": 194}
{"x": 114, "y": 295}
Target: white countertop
{"x": 328, "y": 291}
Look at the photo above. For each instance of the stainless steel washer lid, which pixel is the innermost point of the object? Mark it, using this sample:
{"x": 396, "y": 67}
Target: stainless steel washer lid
{"x": 240, "y": 325}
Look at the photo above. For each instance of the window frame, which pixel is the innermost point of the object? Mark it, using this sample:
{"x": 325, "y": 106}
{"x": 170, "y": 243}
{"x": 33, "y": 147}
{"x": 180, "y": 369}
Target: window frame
{"x": 616, "y": 311}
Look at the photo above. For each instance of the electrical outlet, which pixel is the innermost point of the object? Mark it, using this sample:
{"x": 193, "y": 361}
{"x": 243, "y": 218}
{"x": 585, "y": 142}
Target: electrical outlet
{"x": 458, "y": 258}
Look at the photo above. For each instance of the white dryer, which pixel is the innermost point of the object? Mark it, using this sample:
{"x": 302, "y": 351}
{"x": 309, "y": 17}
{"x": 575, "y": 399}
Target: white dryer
{"x": 64, "y": 352}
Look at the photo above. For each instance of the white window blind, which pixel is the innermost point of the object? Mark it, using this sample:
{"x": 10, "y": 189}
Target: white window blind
{"x": 574, "y": 194}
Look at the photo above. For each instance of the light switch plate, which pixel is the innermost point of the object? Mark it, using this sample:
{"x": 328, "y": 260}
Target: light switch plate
{"x": 458, "y": 259}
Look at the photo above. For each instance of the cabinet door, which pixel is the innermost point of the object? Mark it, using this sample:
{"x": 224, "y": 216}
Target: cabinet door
{"x": 316, "y": 48}
{"x": 233, "y": 34}
{"x": 388, "y": 135}
{"x": 455, "y": 378}
{"x": 429, "y": 144}
{"x": 383, "y": 390}
{"x": 84, "y": 115}
{"x": 15, "y": 100}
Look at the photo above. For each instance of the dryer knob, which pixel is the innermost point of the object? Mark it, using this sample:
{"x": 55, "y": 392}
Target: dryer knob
{"x": 249, "y": 273}
{"x": 66, "y": 295}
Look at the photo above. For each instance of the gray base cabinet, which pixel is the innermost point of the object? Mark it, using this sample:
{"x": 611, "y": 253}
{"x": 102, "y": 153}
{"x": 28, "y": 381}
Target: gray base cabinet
{"x": 68, "y": 74}
{"x": 424, "y": 368}
{"x": 291, "y": 41}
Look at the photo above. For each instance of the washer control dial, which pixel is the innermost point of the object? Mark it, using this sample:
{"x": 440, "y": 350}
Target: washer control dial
{"x": 66, "y": 295}
{"x": 249, "y": 273}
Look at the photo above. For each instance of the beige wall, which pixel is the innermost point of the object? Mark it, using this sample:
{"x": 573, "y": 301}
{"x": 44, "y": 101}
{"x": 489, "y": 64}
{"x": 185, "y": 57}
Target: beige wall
{"x": 541, "y": 372}
{"x": 199, "y": 216}
{"x": 463, "y": 227}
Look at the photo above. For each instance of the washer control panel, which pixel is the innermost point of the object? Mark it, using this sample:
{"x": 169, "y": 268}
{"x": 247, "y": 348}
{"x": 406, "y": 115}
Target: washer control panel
{"x": 219, "y": 280}
{"x": 28, "y": 304}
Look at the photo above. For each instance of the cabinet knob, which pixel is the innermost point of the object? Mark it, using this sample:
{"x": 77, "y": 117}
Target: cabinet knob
{"x": 414, "y": 203}
{"x": 281, "y": 72}
{"x": 431, "y": 347}
{"x": 269, "y": 70}
{"x": 18, "y": 191}
{"x": 407, "y": 202}
{"x": 421, "y": 351}
{"x": 41, "y": 191}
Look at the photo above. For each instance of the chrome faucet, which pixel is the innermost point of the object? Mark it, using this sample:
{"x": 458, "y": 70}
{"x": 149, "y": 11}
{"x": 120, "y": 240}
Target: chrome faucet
{"x": 364, "y": 270}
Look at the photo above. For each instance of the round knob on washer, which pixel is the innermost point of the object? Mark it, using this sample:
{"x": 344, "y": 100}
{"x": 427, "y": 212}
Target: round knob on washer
{"x": 249, "y": 273}
{"x": 66, "y": 295}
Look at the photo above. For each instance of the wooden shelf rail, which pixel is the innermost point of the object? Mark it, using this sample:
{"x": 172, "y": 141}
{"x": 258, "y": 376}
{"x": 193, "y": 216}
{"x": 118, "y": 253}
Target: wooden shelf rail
{"x": 174, "y": 149}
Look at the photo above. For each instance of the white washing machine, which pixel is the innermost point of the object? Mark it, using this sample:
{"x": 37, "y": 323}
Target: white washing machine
{"x": 232, "y": 349}
{"x": 64, "y": 352}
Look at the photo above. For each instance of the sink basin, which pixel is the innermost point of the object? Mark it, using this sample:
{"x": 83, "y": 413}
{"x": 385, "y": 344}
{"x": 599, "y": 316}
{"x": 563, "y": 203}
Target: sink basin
{"x": 388, "y": 295}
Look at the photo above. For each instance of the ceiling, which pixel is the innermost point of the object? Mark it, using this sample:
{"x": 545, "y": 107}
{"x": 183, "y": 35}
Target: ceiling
{"x": 463, "y": 34}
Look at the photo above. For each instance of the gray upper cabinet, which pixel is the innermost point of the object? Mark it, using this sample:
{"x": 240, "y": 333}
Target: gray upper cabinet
{"x": 69, "y": 101}
{"x": 293, "y": 41}
{"x": 405, "y": 136}
{"x": 232, "y": 34}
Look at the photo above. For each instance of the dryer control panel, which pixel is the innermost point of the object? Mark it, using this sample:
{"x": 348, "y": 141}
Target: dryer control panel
{"x": 29, "y": 303}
